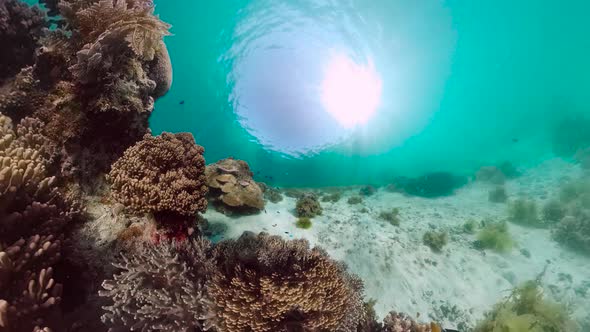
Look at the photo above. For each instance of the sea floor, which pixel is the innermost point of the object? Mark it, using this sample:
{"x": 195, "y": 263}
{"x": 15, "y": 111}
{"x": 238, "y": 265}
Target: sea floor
{"x": 456, "y": 286}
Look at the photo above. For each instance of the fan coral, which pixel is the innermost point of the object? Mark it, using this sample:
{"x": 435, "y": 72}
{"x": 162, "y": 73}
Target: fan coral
{"x": 232, "y": 187}
{"x": 268, "y": 284}
{"x": 308, "y": 206}
{"x": 21, "y": 27}
{"x": 168, "y": 278}
{"x": 526, "y": 310}
{"x": 161, "y": 174}
{"x": 28, "y": 293}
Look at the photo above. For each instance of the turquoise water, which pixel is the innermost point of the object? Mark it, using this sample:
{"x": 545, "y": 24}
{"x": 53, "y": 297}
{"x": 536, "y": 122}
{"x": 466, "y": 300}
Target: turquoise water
{"x": 464, "y": 84}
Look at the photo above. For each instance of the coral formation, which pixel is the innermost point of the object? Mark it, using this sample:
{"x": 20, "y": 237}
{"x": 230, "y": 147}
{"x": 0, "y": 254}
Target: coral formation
{"x": 271, "y": 194}
{"x": 354, "y": 200}
{"x": 430, "y": 185}
{"x": 21, "y": 28}
{"x": 332, "y": 198}
{"x": 574, "y": 231}
{"x": 524, "y": 212}
{"x": 308, "y": 206}
{"x": 268, "y": 284}
{"x": 232, "y": 188}
{"x": 168, "y": 278}
{"x": 303, "y": 223}
{"x": 400, "y": 322}
{"x": 391, "y": 216}
{"x": 367, "y": 191}
{"x": 495, "y": 236}
{"x": 162, "y": 174}
{"x": 553, "y": 211}
{"x": 526, "y": 310}
{"x": 435, "y": 240}
{"x": 470, "y": 226}
{"x": 498, "y": 195}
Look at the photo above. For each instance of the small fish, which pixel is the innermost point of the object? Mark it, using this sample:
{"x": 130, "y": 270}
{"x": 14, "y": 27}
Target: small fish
{"x": 181, "y": 102}
{"x": 515, "y": 140}
{"x": 264, "y": 210}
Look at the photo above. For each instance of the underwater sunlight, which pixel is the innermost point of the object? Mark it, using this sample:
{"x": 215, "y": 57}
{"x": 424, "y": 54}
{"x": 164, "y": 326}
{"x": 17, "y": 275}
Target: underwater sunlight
{"x": 295, "y": 165}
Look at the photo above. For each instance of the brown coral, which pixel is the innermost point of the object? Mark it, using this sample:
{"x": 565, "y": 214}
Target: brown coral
{"x": 162, "y": 174}
{"x": 265, "y": 283}
{"x": 231, "y": 184}
{"x": 400, "y": 322}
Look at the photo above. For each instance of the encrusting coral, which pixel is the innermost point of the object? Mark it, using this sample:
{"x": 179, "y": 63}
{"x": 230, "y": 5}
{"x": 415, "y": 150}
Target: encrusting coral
{"x": 265, "y": 283}
{"x": 232, "y": 187}
{"x": 164, "y": 174}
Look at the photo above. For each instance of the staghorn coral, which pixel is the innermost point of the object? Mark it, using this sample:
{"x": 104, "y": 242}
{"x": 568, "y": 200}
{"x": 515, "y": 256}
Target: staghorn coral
{"x": 21, "y": 27}
{"x": 232, "y": 187}
{"x": 28, "y": 293}
{"x": 265, "y": 283}
{"x": 159, "y": 288}
{"x": 161, "y": 174}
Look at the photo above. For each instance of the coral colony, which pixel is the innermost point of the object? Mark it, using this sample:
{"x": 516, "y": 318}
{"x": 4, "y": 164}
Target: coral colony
{"x": 99, "y": 219}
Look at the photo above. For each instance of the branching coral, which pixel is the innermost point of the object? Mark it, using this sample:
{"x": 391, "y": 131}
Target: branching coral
{"x": 268, "y": 284}
{"x": 28, "y": 293}
{"x": 400, "y": 322}
{"x": 162, "y": 174}
{"x": 308, "y": 206}
{"x": 159, "y": 288}
{"x": 232, "y": 187}
{"x": 526, "y": 310}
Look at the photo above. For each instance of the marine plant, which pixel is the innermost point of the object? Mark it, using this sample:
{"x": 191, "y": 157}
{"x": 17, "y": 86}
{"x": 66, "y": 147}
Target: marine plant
{"x": 574, "y": 231}
{"x": 308, "y": 206}
{"x": 524, "y": 212}
{"x": 498, "y": 195}
{"x": 470, "y": 226}
{"x": 435, "y": 240}
{"x": 553, "y": 211}
{"x": 495, "y": 236}
{"x": 354, "y": 200}
{"x": 527, "y": 310}
{"x": 391, "y": 216}
{"x": 303, "y": 223}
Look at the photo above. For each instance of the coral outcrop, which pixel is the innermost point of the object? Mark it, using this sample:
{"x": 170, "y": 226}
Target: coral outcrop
{"x": 164, "y": 174}
{"x": 21, "y": 27}
{"x": 232, "y": 188}
{"x": 265, "y": 283}
{"x": 400, "y": 322}
{"x": 308, "y": 206}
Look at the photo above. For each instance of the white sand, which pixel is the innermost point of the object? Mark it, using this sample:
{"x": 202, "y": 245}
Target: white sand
{"x": 405, "y": 275}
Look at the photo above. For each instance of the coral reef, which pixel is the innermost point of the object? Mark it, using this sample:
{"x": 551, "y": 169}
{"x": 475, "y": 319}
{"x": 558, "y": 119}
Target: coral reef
{"x": 232, "y": 188}
{"x": 495, "y": 236}
{"x": 435, "y": 240}
{"x": 162, "y": 175}
{"x": 574, "y": 231}
{"x": 430, "y": 185}
{"x": 271, "y": 194}
{"x": 268, "y": 284}
{"x": 553, "y": 211}
{"x": 21, "y": 28}
{"x": 400, "y": 322}
{"x": 391, "y": 216}
{"x": 168, "y": 278}
{"x": 303, "y": 223}
{"x": 524, "y": 212}
{"x": 526, "y": 310}
{"x": 308, "y": 206}
{"x": 470, "y": 226}
{"x": 498, "y": 195}
{"x": 332, "y": 198}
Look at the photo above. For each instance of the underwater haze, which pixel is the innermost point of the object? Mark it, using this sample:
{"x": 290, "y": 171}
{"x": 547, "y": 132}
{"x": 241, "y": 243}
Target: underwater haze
{"x": 423, "y": 86}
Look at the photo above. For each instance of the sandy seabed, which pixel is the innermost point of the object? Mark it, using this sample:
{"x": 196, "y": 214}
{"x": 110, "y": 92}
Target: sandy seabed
{"x": 455, "y": 286}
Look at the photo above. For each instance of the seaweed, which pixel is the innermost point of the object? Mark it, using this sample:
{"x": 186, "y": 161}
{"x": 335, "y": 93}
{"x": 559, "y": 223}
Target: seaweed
{"x": 526, "y": 310}
{"x": 495, "y": 236}
{"x": 574, "y": 231}
{"x": 553, "y": 211}
{"x": 470, "y": 226}
{"x": 391, "y": 216}
{"x": 303, "y": 223}
{"x": 524, "y": 212}
{"x": 435, "y": 240}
